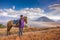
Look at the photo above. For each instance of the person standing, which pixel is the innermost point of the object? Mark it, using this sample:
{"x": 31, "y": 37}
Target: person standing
{"x": 21, "y": 25}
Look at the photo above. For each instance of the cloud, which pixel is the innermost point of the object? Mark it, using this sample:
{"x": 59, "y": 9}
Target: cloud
{"x": 8, "y": 12}
{"x": 32, "y": 13}
{"x": 55, "y": 13}
{"x": 55, "y": 9}
{"x": 13, "y": 7}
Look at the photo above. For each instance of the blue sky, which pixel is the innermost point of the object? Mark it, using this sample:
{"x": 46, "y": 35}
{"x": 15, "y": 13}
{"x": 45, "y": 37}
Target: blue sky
{"x": 27, "y": 3}
{"x": 32, "y": 8}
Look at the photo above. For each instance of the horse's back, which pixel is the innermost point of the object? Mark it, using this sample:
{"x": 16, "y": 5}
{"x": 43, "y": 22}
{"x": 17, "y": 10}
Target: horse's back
{"x": 15, "y": 21}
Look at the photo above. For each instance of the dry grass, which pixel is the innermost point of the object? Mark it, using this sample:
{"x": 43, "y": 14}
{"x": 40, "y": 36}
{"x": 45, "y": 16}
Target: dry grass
{"x": 33, "y": 34}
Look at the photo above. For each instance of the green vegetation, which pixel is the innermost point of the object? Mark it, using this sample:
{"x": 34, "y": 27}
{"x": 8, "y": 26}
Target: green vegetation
{"x": 1, "y": 26}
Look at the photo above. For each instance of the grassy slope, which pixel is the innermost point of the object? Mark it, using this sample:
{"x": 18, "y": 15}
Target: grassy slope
{"x": 36, "y": 34}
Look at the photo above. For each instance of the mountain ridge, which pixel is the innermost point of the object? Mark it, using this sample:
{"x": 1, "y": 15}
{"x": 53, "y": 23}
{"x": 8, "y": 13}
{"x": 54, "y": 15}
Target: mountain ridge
{"x": 44, "y": 19}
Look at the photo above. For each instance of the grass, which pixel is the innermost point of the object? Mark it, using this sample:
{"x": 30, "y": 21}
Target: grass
{"x": 52, "y": 33}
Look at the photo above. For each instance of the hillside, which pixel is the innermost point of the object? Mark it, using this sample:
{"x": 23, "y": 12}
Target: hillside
{"x": 37, "y": 34}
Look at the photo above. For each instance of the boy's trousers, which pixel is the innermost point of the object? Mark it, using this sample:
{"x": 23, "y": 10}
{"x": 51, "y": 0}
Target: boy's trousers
{"x": 20, "y": 31}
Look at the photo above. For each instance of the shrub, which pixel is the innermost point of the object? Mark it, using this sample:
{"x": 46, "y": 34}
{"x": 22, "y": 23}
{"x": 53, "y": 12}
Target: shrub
{"x": 1, "y": 25}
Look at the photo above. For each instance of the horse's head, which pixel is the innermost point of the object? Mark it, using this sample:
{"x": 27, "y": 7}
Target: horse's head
{"x": 25, "y": 19}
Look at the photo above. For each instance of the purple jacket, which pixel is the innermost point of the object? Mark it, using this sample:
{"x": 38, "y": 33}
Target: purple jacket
{"x": 21, "y": 23}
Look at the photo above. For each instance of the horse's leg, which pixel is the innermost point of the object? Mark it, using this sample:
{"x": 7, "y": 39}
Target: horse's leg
{"x": 8, "y": 29}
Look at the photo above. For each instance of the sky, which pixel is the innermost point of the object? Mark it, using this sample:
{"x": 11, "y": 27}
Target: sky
{"x": 33, "y": 9}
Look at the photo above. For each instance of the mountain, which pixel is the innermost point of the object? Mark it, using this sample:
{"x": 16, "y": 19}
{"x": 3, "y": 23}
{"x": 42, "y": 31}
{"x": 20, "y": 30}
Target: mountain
{"x": 58, "y": 21}
{"x": 44, "y": 19}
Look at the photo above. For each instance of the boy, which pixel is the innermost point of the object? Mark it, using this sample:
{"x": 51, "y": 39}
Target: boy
{"x": 21, "y": 25}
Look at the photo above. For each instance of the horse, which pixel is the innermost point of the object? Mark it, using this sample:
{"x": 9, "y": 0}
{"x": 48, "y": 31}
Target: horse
{"x": 10, "y": 24}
